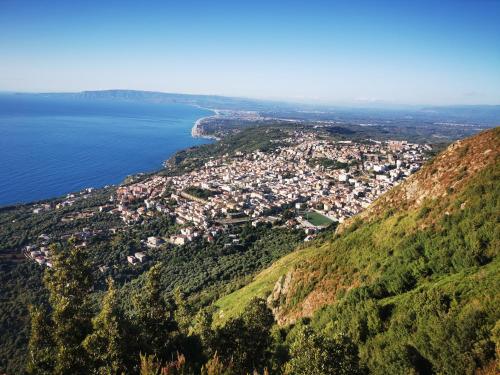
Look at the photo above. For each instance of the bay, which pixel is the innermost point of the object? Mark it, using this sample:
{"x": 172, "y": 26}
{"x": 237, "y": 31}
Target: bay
{"x": 50, "y": 146}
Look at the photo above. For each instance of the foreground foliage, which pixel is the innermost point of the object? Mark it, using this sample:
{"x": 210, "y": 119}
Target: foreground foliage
{"x": 65, "y": 340}
{"x": 409, "y": 288}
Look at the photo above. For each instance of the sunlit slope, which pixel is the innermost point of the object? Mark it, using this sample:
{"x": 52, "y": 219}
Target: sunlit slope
{"x": 441, "y": 223}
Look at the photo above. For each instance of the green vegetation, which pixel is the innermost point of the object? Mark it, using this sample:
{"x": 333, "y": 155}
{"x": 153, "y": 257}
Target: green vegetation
{"x": 317, "y": 219}
{"x": 244, "y": 141}
{"x": 429, "y": 298}
{"x": 198, "y": 192}
{"x": 19, "y": 287}
{"x": 106, "y": 344}
{"x": 41, "y": 344}
{"x": 316, "y": 354}
{"x": 416, "y": 290}
{"x": 155, "y": 331}
{"x": 19, "y": 226}
{"x": 412, "y": 286}
{"x": 233, "y": 304}
{"x": 327, "y": 163}
{"x": 204, "y": 271}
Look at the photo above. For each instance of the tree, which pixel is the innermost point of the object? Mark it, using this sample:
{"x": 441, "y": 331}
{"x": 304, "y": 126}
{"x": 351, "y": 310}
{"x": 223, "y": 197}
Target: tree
{"x": 183, "y": 311}
{"x": 69, "y": 284}
{"x": 202, "y": 328}
{"x": 258, "y": 320}
{"x": 244, "y": 341}
{"x": 107, "y": 345}
{"x": 149, "y": 365}
{"x": 40, "y": 347}
{"x": 215, "y": 367}
{"x": 157, "y": 329}
{"x": 315, "y": 354}
{"x": 176, "y": 367}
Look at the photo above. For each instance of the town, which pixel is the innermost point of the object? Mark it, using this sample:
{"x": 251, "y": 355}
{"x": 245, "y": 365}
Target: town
{"x": 307, "y": 181}
{"x": 328, "y": 180}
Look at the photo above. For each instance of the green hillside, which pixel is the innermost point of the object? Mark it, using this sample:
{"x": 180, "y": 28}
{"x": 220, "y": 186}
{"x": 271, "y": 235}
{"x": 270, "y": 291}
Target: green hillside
{"x": 415, "y": 280}
{"x": 232, "y": 305}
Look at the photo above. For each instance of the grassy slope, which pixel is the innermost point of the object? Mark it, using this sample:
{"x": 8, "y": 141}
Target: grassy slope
{"x": 233, "y": 304}
{"x": 447, "y": 325}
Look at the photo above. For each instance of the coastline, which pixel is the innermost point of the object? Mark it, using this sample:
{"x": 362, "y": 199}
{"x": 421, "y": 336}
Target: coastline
{"x": 108, "y": 179}
{"x": 196, "y": 130}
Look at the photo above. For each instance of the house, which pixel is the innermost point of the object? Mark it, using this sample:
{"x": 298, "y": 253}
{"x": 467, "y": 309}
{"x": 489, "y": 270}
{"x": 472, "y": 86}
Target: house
{"x": 132, "y": 259}
{"x": 103, "y": 269}
{"x": 30, "y": 247}
{"x": 44, "y": 237}
{"x": 154, "y": 242}
{"x": 35, "y": 253}
{"x": 178, "y": 240}
{"x": 187, "y": 231}
{"x": 381, "y": 177}
{"x": 344, "y": 177}
{"x": 141, "y": 256}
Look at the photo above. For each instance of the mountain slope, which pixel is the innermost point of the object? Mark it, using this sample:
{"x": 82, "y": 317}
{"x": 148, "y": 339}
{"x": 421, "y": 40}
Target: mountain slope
{"x": 414, "y": 280}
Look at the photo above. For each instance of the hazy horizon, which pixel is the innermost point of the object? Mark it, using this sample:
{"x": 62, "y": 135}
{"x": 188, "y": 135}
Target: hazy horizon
{"x": 311, "y": 102}
{"x": 388, "y": 52}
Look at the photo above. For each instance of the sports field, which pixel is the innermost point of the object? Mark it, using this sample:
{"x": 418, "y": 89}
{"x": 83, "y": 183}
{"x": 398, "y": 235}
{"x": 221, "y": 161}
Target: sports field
{"x": 317, "y": 219}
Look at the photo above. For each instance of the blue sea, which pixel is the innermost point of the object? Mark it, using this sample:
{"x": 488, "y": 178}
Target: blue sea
{"x": 50, "y": 146}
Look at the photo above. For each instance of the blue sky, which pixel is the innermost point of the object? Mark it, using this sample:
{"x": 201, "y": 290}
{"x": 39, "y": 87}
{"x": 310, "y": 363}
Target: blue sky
{"x": 412, "y": 52}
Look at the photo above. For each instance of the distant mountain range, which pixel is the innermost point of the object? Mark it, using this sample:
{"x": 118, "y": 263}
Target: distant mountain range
{"x": 210, "y": 101}
{"x": 485, "y": 114}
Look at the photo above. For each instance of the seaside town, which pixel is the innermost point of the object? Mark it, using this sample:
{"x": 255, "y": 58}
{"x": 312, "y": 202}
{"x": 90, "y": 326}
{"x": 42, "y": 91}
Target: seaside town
{"x": 306, "y": 182}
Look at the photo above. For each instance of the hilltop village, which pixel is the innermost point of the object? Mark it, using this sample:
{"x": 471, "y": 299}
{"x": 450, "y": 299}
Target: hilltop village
{"x": 305, "y": 182}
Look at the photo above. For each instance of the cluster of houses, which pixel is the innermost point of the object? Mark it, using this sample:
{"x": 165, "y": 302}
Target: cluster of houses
{"x": 68, "y": 202}
{"x": 137, "y": 257}
{"x": 258, "y": 185}
{"x": 39, "y": 252}
{"x": 304, "y": 173}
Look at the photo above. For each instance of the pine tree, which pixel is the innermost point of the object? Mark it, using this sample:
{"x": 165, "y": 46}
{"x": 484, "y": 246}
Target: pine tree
{"x": 154, "y": 317}
{"x": 69, "y": 284}
{"x": 149, "y": 365}
{"x": 183, "y": 312}
{"x": 316, "y": 354}
{"x": 244, "y": 341}
{"x": 215, "y": 367}
{"x": 41, "y": 346}
{"x": 107, "y": 345}
{"x": 202, "y": 328}
{"x": 258, "y": 320}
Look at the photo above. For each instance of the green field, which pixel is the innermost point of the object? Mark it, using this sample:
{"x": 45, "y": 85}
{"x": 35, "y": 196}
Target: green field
{"x": 317, "y": 219}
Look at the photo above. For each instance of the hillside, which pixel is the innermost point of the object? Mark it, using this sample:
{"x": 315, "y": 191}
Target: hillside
{"x": 414, "y": 280}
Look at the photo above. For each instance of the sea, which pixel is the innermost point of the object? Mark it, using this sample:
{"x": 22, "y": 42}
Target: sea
{"x": 54, "y": 145}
